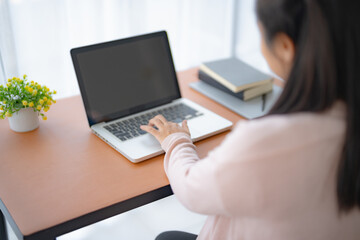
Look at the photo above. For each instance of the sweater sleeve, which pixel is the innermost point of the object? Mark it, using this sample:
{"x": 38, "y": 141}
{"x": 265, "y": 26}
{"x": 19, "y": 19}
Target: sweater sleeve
{"x": 234, "y": 177}
{"x": 192, "y": 180}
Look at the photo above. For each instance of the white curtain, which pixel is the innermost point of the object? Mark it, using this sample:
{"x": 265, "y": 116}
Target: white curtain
{"x": 44, "y": 31}
{"x": 2, "y": 71}
{"x": 8, "y": 62}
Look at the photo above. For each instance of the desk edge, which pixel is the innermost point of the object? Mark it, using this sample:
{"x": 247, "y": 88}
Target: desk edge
{"x": 10, "y": 219}
{"x": 101, "y": 214}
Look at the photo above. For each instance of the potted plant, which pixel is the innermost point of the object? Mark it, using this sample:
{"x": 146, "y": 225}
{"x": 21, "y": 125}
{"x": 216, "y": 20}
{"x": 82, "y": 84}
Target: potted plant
{"x": 22, "y": 102}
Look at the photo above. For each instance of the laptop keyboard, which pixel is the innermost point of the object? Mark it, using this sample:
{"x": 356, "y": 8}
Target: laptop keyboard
{"x": 130, "y": 128}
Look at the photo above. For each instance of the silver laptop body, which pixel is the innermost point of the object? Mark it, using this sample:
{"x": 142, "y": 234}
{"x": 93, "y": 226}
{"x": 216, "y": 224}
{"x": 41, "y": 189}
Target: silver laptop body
{"x": 126, "y": 82}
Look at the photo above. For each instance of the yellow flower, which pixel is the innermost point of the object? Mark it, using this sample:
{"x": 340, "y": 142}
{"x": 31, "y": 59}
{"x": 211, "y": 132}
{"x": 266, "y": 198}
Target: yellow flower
{"x": 48, "y": 102}
{"x": 54, "y": 101}
{"x": 8, "y": 84}
{"x": 38, "y": 107}
{"x": 39, "y": 87}
{"x": 45, "y": 98}
{"x": 30, "y": 89}
{"x": 31, "y": 104}
{"x": 32, "y": 82}
{"x": 24, "y": 76}
{"x": 1, "y": 108}
{"x": 8, "y": 114}
{"x": 24, "y": 103}
{"x": 9, "y": 80}
{"x": 55, "y": 92}
{"x": 46, "y": 109}
{"x": 4, "y": 102}
{"x": 14, "y": 78}
{"x": 44, "y": 118}
{"x": 41, "y": 101}
{"x": 35, "y": 92}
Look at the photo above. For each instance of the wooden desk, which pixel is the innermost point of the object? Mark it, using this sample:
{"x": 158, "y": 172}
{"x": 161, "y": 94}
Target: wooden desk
{"x": 61, "y": 177}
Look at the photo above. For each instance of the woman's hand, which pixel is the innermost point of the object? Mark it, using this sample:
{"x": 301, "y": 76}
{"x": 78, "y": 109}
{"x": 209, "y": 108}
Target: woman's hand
{"x": 164, "y": 128}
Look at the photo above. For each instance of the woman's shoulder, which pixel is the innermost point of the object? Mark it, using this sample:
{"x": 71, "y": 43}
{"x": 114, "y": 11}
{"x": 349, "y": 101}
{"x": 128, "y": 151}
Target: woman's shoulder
{"x": 295, "y": 127}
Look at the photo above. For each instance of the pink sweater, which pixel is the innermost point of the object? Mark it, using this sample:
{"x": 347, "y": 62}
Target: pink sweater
{"x": 271, "y": 178}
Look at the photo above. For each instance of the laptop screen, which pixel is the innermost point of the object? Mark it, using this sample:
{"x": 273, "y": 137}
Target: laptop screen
{"x": 126, "y": 76}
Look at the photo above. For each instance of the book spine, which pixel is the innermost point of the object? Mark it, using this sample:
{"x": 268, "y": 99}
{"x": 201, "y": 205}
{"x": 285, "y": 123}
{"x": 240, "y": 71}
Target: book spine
{"x": 209, "y": 80}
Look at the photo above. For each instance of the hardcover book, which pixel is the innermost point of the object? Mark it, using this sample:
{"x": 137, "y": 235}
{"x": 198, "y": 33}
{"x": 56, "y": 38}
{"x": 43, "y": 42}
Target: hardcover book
{"x": 244, "y": 95}
{"x": 235, "y": 74}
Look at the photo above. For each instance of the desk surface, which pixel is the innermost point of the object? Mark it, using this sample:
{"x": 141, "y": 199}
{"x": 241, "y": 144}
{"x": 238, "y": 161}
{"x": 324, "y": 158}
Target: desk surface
{"x": 61, "y": 171}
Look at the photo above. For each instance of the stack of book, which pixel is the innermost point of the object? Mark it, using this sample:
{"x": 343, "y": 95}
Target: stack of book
{"x": 235, "y": 77}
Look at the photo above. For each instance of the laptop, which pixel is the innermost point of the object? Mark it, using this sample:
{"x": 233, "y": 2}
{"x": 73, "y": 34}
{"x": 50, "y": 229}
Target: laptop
{"x": 125, "y": 83}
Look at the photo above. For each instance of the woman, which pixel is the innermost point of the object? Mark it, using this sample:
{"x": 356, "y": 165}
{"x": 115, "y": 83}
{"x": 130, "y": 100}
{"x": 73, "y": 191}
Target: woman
{"x": 294, "y": 174}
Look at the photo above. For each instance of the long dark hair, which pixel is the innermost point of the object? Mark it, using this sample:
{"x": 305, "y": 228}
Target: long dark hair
{"x": 326, "y": 68}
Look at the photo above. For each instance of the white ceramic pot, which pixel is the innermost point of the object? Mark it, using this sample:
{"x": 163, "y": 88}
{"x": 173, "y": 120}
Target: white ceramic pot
{"x": 24, "y": 120}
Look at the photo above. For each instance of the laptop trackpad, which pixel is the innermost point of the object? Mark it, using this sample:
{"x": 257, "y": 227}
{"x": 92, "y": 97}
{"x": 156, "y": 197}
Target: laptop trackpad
{"x": 149, "y": 141}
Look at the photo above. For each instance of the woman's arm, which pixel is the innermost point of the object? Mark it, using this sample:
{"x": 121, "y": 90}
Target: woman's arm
{"x": 233, "y": 178}
{"x": 192, "y": 180}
